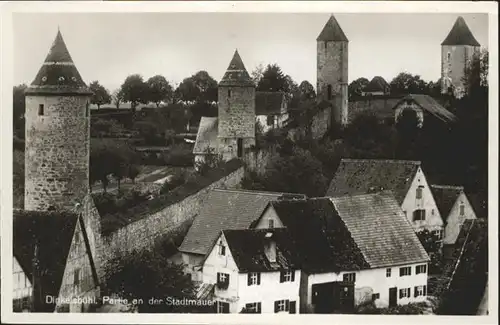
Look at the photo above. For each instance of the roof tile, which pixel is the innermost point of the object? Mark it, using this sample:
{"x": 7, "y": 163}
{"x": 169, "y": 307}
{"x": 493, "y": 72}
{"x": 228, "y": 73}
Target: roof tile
{"x": 460, "y": 34}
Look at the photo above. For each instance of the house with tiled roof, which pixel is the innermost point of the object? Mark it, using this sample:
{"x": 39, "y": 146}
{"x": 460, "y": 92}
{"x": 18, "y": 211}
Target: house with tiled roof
{"x": 352, "y": 250}
{"x": 454, "y": 208}
{"x": 53, "y": 266}
{"x": 424, "y": 107}
{"x": 254, "y": 271}
{"x": 224, "y": 209}
{"x": 457, "y": 51}
{"x": 377, "y": 86}
{"x": 404, "y": 177}
{"x": 271, "y": 109}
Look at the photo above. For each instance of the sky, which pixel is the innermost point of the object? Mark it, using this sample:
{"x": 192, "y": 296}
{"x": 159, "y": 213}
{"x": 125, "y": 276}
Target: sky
{"x": 110, "y": 46}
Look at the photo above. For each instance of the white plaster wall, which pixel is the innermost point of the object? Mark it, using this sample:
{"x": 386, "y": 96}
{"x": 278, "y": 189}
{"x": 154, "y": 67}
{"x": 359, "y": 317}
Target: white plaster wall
{"x": 269, "y": 214}
{"x": 433, "y": 219}
{"x": 21, "y": 283}
{"x": 455, "y": 220}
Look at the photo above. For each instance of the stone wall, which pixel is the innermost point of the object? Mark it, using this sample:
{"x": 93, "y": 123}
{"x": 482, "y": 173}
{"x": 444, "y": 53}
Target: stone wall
{"x": 57, "y": 152}
{"x": 257, "y": 160}
{"x": 147, "y": 187}
{"x": 453, "y": 66}
{"x": 236, "y": 112}
{"x": 321, "y": 122}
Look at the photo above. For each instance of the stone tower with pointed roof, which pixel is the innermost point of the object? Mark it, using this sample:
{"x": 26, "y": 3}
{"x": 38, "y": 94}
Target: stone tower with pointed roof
{"x": 332, "y": 69}
{"x": 57, "y": 134}
{"x": 457, "y": 50}
{"x": 236, "y": 97}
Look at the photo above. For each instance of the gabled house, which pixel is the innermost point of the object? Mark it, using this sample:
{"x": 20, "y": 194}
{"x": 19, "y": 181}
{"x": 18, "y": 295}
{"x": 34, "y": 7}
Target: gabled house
{"x": 425, "y": 107}
{"x": 223, "y": 210}
{"x": 376, "y": 87}
{"x": 404, "y": 178}
{"x": 352, "y": 249}
{"x": 454, "y": 208}
{"x": 53, "y": 267}
{"x": 253, "y": 271}
{"x": 271, "y": 109}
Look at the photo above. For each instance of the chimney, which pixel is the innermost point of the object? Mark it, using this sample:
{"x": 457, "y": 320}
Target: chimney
{"x": 270, "y": 247}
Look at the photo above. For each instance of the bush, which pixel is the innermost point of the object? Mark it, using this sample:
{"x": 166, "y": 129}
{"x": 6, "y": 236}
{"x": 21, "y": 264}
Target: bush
{"x": 179, "y": 155}
{"x": 409, "y": 309}
{"x": 177, "y": 180}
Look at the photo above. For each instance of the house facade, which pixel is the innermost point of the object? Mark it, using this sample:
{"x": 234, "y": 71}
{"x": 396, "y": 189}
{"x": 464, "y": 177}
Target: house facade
{"x": 253, "y": 272}
{"x": 270, "y": 109}
{"x": 22, "y": 287}
{"x": 454, "y": 207}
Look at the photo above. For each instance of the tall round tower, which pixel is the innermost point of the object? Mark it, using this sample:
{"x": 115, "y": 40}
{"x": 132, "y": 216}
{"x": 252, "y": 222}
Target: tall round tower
{"x": 236, "y": 97}
{"x": 57, "y": 146}
{"x": 332, "y": 69}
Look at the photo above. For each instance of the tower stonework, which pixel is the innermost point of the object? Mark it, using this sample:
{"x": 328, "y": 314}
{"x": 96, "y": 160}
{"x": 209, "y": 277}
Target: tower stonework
{"x": 332, "y": 69}
{"x": 57, "y": 147}
{"x": 457, "y": 51}
{"x": 236, "y": 104}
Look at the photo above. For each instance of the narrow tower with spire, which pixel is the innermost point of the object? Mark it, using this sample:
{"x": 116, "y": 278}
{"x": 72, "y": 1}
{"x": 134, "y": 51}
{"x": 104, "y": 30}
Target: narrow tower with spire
{"x": 332, "y": 69}
{"x": 57, "y": 146}
{"x": 236, "y": 97}
{"x": 457, "y": 51}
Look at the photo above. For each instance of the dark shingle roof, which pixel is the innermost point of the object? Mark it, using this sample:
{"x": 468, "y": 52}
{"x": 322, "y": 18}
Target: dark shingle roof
{"x": 460, "y": 34}
{"x": 321, "y": 237}
{"x": 361, "y": 176}
{"x": 247, "y": 249}
{"x": 236, "y": 74}
{"x": 52, "y": 233}
{"x": 207, "y": 135}
{"x": 224, "y": 210}
{"x": 445, "y": 197}
{"x": 380, "y": 229}
{"x": 430, "y": 105}
{"x": 332, "y": 32}
{"x": 268, "y": 102}
{"x": 377, "y": 84}
{"x": 58, "y": 74}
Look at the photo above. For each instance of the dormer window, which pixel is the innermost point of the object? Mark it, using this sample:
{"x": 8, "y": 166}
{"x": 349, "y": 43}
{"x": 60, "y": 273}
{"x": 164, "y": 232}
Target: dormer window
{"x": 229, "y": 93}
{"x": 41, "y": 110}
{"x": 271, "y": 223}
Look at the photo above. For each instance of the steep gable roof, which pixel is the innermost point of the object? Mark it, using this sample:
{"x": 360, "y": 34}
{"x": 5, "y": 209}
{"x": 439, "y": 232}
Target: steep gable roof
{"x": 247, "y": 247}
{"x": 429, "y": 104}
{"x": 377, "y": 84}
{"x": 268, "y": 102}
{"x": 445, "y": 197}
{"x": 58, "y": 74}
{"x": 361, "y": 176}
{"x": 224, "y": 210}
{"x": 380, "y": 229}
{"x": 332, "y": 32}
{"x": 460, "y": 34}
{"x": 51, "y": 233}
{"x": 236, "y": 74}
{"x": 321, "y": 237}
{"x": 207, "y": 135}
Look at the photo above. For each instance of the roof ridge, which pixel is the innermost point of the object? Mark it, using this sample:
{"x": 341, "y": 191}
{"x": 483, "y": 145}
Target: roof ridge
{"x": 256, "y": 192}
{"x": 361, "y": 194}
{"x": 416, "y": 162}
{"x": 452, "y": 187}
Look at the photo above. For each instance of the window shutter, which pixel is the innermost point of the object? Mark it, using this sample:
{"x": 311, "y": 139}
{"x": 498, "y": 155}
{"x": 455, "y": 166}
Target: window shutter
{"x": 218, "y": 276}
{"x": 227, "y": 278}
{"x": 425, "y": 290}
{"x": 423, "y": 214}
{"x": 293, "y": 307}
{"x": 416, "y": 292}
{"x": 249, "y": 282}
{"x": 400, "y": 293}
{"x": 276, "y": 306}
{"x": 258, "y": 278}
{"x": 225, "y": 308}
{"x": 293, "y": 275}
{"x": 287, "y": 305}
{"x": 259, "y": 308}
{"x": 282, "y": 276}
{"x": 409, "y": 270}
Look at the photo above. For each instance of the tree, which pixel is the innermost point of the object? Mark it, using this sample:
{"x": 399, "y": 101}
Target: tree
{"x": 134, "y": 90}
{"x": 117, "y": 97}
{"x": 132, "y": 172}
{"x": 19, "y": 107}
{"x": 432, "y": 246}
{"x": 408, "y": 134}
{"x": 100, "y": 95}
{"x": 160, "y": 90}
{"x": 273, "y": 79}
{"x": 306, "y": 91}
{"x": 18, "y": 179}
{"x": 356, "y": 87}
{"x": 200, "y": 88}
{"x": 257, "y": 73}
{"x": 406, "y": 83}
{"x": 476, "y": 74}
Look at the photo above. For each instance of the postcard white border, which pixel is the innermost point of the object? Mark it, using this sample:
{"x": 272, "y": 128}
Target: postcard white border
{"x": 6, "y": 11}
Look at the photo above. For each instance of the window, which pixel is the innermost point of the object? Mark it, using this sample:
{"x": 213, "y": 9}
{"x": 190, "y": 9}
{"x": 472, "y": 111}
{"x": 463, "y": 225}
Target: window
{"x": 240, "y": 147}
{"x": 448, "y": 56}
{"x": 349, "y": 277}
{"x": 287, "y": 276}
{"x": 253, "y": 308}
{"x": 222, "y": 249}
{"x": 388, "y": 273}
{"x": 229, "y": 93}
{"x": 462, "y": 209}
{"x": 419, "y": 215}
{"x": 270, "y": 120}
{"x": 222, "y": 280}
{"x": 375, "y": 296}
{"x": 222, "y": 307}
{"x": 420, "y": 291}
{"x": 404, "y": 271}
{"x": 77, "y": 242}
{"x": 438, "y": 234}
{"x": 87, "y": 110}
{"x": 421, "y": 269}
{"x": 404, "y": 293}
{"x": 40, "y": 110}
{"x": 419, "y": 192}
{"x": 329, "y": 92}
{"x": 326, "y": 45}
{"x": 253, "y": 278}
{"x": 432, "y": 211}
{"x": 281, "y": 305}
{"x": 271, "y": 223}
{"x": 76, "y": 279}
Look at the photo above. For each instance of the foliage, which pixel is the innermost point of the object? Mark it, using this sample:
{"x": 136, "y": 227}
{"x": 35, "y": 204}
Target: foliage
{"x": 117, "y": 98}
{"x": 160, "y": 90}
{"x": 306, "y": 91}
{"x": 18, "y": 179}
{"x": 19, "y": 107}
{"x": 273, "y": 79}
{"x": 177, "y": 180}
{"x": 212, "y": 159}
{"x": 257, "y": 73}
{"x": 409, "y": 309}
{"x": 100, "y": 95}
{"x": 134, "y": 90}
{"x": 105, "y": 127}
{"x": 200, "y": 88}
{"x": 179, "y": 155}
{"x": 406, "y": 83}
{"x": 476, "y": 74}
{"x": 356, "y": 87}
{"x": 432, "y": 246}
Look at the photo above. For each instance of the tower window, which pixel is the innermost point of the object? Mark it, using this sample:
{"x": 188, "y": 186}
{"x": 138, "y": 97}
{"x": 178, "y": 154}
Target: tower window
{"x": 329, "y": 92}
{"x": 229, "y": 93}
{"x": 240, "y": 148}
{"x": 448, "y": 56}
{"x": 40, "y": 109}
{"x": 87, "y": 110}
{"x": 326, "y": 45}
